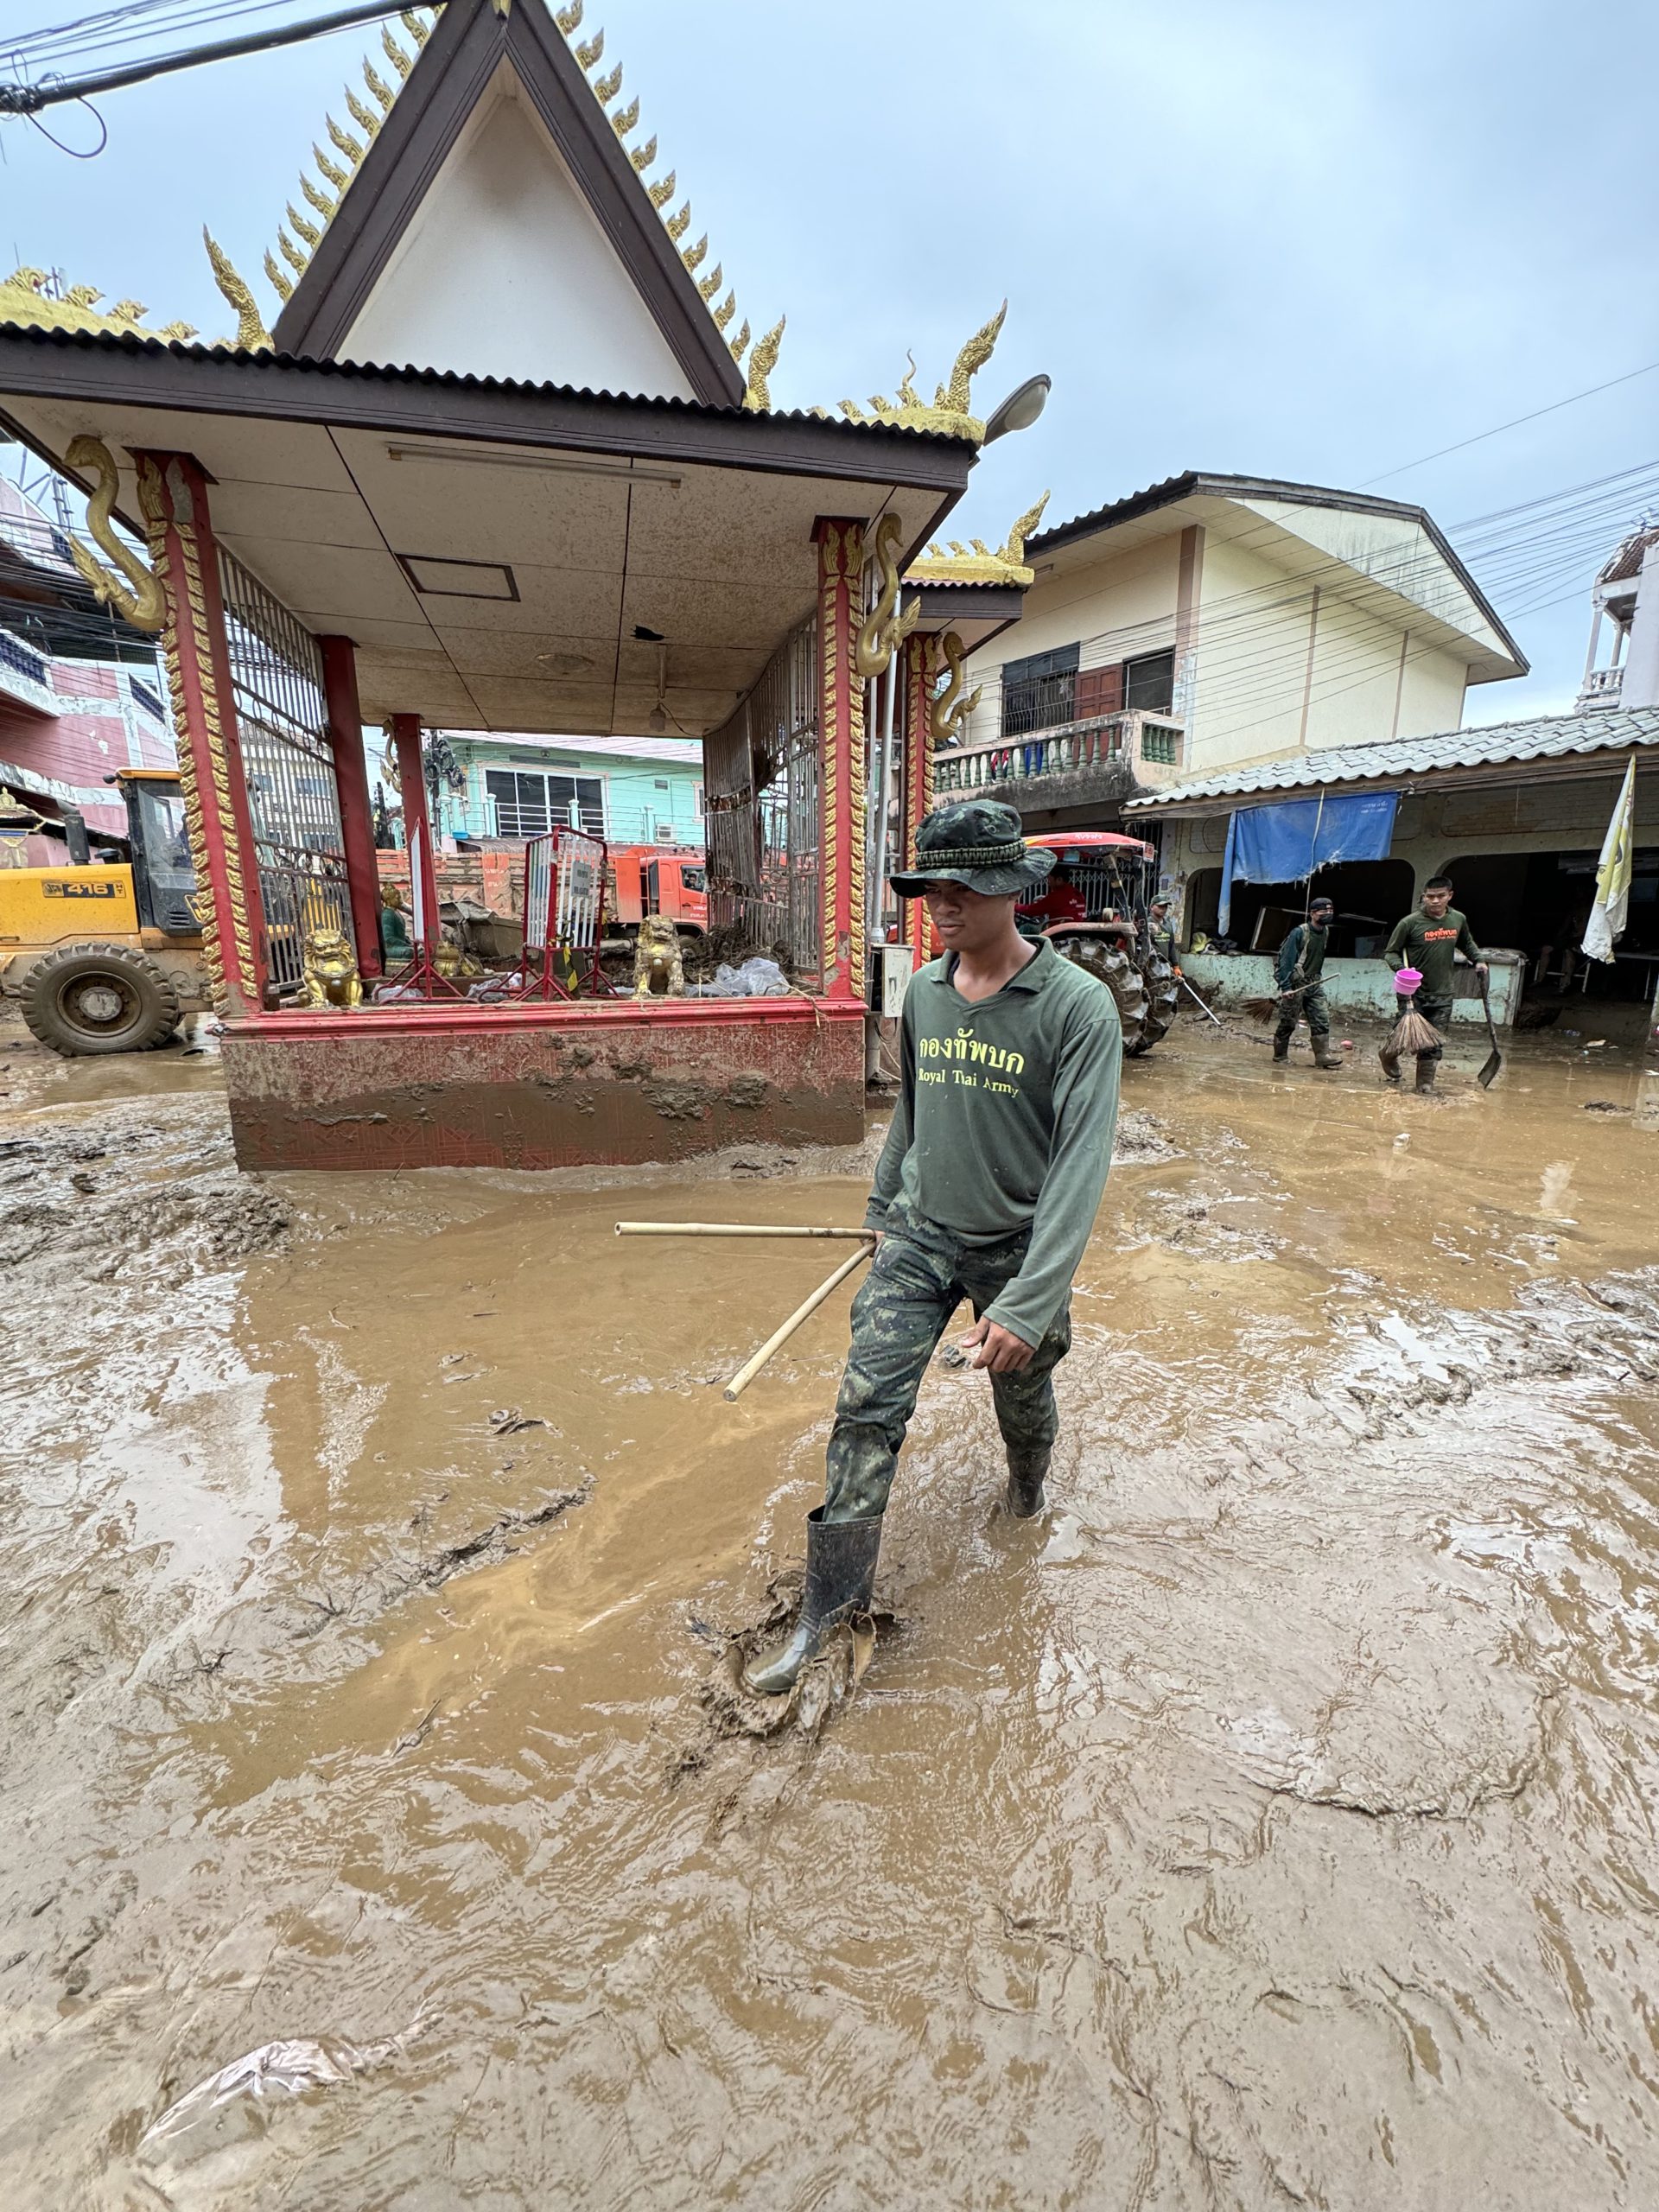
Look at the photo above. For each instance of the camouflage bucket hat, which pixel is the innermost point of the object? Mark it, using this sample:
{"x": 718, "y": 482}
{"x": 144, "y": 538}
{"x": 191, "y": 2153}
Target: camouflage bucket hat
{"x": 978, "y": 842}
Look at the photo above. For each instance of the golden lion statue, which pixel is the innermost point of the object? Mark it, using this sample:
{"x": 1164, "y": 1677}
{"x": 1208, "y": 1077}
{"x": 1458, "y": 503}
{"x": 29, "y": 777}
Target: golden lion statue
{"x": 657, "y": 967}
{"x": 330, "y": 976}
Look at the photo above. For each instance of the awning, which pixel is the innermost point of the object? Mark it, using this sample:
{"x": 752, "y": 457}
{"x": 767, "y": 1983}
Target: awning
{"x": 1287, "y": 842}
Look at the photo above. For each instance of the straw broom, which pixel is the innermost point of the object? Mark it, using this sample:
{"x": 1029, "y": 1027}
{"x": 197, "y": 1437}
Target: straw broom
{"x": 1413, "y": 1032}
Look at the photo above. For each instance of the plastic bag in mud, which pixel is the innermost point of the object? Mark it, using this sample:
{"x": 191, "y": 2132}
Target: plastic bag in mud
{"x": 755, "y": 979}
{"x": 287, "y": 2067}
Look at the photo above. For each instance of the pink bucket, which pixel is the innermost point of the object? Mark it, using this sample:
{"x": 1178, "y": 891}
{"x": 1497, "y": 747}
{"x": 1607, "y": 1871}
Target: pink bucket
{"x": 1407, "y": 980}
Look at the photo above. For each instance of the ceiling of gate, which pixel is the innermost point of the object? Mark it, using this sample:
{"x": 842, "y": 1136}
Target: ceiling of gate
{"x": 492, "y": 585}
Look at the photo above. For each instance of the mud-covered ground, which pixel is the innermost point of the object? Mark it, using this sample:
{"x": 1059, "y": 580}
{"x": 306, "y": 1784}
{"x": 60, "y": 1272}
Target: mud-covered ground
{"x": 1272, "y": 1825}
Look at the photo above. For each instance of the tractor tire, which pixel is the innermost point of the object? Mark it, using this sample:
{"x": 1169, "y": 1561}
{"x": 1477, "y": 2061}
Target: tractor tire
{"x": 99, "y": 998}
{"x": 1163, "y": 1001}
{"x": 1121, "y": 978}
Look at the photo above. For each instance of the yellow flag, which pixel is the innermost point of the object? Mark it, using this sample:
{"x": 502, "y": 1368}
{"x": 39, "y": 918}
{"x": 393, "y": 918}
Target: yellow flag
{"x": 1606, "y": 923}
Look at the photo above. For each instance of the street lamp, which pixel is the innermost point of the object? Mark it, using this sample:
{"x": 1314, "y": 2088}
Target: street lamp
{"x": 1020, "y": 409}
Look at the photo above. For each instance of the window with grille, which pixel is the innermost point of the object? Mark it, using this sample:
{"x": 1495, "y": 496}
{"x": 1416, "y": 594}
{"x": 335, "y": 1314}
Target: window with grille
{"x": 1040, "y": 691}
{"x": 528, "y": 803}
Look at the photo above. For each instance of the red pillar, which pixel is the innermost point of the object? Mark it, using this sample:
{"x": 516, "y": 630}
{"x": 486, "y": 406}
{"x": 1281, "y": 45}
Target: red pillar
{"x": 356, "y": 809}
{"x": 417, "y": 831}
{"x": 841, "y": 758}
{"x": 173, "y": 498}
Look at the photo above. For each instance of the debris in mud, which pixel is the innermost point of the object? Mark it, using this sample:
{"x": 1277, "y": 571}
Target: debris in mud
{"x": 1141, "y": 1136}
{"x": 289, "y": 2067}
{"x": 507, "y": 1420}
{"x": 1604, "y": 1106}
{"x": 166, "y": 1197}
{"x": 394, "y": 1579}
{"x": 1184, "y": 1221}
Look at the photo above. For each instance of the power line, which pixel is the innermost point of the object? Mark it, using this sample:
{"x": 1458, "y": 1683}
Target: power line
{"x": 1555, "y": 405}
{"x": 30, "y": 99}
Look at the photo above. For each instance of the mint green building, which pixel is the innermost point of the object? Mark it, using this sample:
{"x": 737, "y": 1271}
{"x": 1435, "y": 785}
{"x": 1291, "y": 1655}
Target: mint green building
{"x": 631, "y": 791}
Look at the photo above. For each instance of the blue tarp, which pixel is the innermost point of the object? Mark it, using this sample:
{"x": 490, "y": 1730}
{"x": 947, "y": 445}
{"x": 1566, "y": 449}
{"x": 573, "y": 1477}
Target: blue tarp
{"x": 1285, "y": 843}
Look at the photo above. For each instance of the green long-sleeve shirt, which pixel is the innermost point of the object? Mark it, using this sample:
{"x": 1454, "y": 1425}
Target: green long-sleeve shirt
{"x": 1431, "y": 947}
{"x": 1006, "y": 1113}
{"x": 1301, "y": 956}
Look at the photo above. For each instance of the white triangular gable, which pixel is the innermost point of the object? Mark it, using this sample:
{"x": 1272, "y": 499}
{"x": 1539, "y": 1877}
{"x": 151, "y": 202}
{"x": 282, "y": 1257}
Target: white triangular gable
{"x": 1396, "y": 553}
{"x": 506, "y": 272}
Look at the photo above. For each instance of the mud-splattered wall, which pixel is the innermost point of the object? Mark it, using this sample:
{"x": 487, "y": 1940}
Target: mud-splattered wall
{"x": 553, "y": 1087}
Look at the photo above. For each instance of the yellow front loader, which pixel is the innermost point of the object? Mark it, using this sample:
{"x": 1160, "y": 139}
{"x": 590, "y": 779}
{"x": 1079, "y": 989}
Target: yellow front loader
{"x": 105, "y": 957}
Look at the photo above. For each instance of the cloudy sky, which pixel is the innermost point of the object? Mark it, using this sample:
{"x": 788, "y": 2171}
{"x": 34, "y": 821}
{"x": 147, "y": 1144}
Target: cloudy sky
{"x": 1266, "y": 236}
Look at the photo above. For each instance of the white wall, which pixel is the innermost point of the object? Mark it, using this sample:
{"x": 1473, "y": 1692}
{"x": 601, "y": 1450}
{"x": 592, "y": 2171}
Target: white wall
{"x": 1118, "y": 605}
{"x": 1371, "y": 678}
{"x": 505, "y": 272}
{"x": 1255, "y": 625}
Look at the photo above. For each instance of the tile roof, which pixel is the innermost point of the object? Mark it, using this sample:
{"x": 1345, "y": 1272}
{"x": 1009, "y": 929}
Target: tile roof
{"x": 1547, "y": 737}
{"x": 1626, "y": 562}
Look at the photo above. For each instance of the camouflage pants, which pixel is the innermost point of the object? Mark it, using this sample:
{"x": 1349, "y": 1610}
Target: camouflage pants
{"x": 1310, "y": 1002}
{"x": 920, "y": 1273}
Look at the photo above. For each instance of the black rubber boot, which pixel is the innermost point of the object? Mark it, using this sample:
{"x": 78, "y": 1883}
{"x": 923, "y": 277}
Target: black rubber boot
{"x": 1425, "y": 1068}
{"x": 1322, "y": 1055}
{"x": 1390, "y": 1060}
{"x": 1028, "y": 1472}
{"x": 840, "y": 1576}
{"x": 1280, "y": 1046}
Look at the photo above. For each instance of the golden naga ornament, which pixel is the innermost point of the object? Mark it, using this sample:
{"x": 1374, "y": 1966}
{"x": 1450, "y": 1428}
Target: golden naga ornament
{"x": 25, "y": 301}
{"x": 975, "y": 563}
{"x": 949, "y": 415}
{"x": 145, "y": 605}
{"x": 251, "y": 331}
{"x": 329, "y": 978}
{"x": 762, "y": 362}
{"x": 885, "y": 628}
{"x": 950, "y": 710}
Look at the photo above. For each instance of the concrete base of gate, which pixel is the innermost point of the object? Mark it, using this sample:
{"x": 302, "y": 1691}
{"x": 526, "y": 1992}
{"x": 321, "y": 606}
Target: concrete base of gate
{"x": 541, "y": 1086}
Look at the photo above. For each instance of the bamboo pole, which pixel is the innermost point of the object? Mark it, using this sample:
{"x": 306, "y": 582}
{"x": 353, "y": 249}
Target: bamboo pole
{"x": 727, "y": 1229}
{"x": 751, "y": 1368}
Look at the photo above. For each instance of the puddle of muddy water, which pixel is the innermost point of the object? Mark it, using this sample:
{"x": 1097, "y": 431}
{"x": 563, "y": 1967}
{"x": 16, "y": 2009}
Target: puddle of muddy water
{"x": 1270, "y": 1824}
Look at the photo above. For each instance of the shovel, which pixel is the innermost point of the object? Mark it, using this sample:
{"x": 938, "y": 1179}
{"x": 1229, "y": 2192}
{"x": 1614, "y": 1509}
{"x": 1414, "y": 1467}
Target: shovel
{"x": 1494, "y": 1060}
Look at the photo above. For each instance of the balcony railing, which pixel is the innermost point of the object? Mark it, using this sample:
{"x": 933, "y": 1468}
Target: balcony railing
{"x": 1602, "y": 688}
{"x": 19, "y": 661}
{"x": 1148, "y": 745}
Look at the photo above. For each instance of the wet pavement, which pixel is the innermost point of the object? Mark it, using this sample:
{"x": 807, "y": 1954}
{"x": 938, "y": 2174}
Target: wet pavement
{"x": 1272, "y": 1824}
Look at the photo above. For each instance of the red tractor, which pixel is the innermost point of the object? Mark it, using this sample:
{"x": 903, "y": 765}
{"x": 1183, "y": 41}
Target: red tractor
{"x": 1095, "y": 906}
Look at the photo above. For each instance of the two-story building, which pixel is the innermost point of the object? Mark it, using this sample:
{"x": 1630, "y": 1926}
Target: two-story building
{"x": 632, "y": 790}
{"x": 80, "y": 693}
{"x": 1212, "y": 622}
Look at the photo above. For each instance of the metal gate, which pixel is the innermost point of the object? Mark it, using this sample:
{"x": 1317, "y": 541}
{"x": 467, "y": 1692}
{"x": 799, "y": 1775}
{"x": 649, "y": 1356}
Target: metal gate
{"x": 760, "y": 788}
{"x": 282, "y": 721}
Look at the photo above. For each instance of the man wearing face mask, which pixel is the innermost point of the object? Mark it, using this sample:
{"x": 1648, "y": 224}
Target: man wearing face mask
{"x": 986, "y": 1190}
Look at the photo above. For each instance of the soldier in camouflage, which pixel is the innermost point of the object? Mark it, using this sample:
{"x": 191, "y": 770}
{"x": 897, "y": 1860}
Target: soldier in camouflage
{"x": 986, "y": 1191}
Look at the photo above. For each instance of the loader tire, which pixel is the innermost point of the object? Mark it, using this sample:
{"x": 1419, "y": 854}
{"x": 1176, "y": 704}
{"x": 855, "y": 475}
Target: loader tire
{"x": 1163, "y": 1002}
{"x": 99, "y": 998}
{"x": 1120, "y": 976}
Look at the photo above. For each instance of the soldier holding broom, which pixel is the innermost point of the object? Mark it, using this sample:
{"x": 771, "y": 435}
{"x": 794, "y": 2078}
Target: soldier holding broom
{"x": 986, "y": 1191}
{"x": 1429, "y": 941}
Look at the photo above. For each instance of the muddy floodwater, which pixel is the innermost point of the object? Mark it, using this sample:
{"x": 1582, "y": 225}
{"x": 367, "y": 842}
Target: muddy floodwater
{"x": 1272, "y": 1824}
